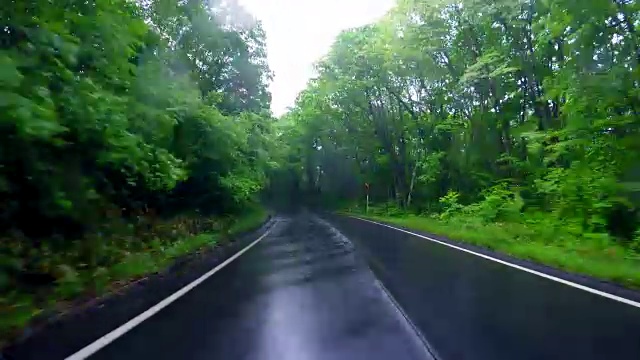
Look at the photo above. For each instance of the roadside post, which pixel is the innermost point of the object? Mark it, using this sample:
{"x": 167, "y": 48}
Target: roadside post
{"x": 366, "y": 186}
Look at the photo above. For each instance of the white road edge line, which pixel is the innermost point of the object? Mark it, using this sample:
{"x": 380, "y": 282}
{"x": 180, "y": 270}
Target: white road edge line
{"x": 124, "y": 328}
{"x": 534, "y": 272}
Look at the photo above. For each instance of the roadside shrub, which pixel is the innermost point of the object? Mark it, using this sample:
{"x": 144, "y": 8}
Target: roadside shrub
{"x": 450, "y": 204}
{"x": 585, "y": 192}
{"x": 392, "y": 209}
{"x": 101, "y": 279}
{"x": 134, "y": 266}
{"x": 69, "y": 284}
{"x": 499, "y": 203}
{"x": 384, "y": 209}
{"x": 635, "y": 242}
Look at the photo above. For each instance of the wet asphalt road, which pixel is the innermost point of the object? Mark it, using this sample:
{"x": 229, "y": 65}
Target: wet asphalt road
{"x": 469, "y": 307}
{"x": 301, "y": 293}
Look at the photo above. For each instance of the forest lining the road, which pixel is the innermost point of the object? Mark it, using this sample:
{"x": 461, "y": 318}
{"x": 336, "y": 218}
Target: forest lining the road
{"x": 512, "y": 125}
{"x": 131, "y": 131}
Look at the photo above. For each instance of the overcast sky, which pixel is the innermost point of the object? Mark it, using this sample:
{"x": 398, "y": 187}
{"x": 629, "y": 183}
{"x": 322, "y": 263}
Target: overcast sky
{"x": 299, "y": 32}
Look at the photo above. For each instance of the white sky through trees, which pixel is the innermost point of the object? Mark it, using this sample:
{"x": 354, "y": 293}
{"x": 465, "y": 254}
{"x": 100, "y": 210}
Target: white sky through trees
{"x": 300, "y": 32}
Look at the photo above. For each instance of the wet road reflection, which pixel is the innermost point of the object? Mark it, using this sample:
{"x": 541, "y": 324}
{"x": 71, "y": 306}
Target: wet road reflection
{"x": 469, "y": 307}
{"x": 302, "y": 293}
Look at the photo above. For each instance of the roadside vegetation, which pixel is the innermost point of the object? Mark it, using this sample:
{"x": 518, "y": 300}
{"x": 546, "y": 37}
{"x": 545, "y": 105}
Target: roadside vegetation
{"x": 512, "y": 124}
{"x": 131, "y": 133}
{"x": 129, "y": 261}
{"x": 536, "y": 238}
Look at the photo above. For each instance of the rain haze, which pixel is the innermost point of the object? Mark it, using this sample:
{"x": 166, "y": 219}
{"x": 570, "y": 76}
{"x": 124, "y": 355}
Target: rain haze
{"x": 300, "y": 32}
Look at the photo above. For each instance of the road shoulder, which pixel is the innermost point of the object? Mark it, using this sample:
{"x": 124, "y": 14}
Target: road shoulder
{"x": 61, "y": 336}
{"x": 581, "y": 279}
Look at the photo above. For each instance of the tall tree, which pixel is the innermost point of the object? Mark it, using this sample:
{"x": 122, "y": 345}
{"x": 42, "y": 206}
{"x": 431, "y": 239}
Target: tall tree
{"x": 463, "y": 96}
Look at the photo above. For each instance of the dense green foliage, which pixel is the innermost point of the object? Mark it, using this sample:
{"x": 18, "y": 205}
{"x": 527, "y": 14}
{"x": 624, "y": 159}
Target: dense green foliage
{"x": 516, "y": 111}
{"x": 128, "y": 127}
{"x": 124, "y": 126}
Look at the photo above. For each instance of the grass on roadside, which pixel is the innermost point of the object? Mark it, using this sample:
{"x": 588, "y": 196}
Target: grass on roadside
{"x": 589, "y": 254}
{"x": 248, "y": 222}
{"x": 19, "y": 306}
{"x": 159, "y": 258}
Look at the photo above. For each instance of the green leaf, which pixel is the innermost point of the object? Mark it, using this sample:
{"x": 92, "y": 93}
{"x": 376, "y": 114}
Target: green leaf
{"x": 10, "y": 76}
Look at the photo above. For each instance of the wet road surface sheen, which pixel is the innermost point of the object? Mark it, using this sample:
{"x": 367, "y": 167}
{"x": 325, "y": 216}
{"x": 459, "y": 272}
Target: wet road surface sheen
{"x": 301, "y": 293}
{"x": 468, "y": 307}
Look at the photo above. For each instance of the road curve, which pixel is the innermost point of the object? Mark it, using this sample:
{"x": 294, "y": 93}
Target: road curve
{"x": 301, "y": 293}
{"x": 471, "y": 307}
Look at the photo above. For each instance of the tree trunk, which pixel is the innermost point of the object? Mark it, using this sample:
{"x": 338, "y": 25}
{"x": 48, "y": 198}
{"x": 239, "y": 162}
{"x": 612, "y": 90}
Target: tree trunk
{"x": 412, "y": 183}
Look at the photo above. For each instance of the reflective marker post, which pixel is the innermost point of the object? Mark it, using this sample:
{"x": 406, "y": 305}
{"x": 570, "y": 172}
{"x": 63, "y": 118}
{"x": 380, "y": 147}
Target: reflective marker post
{"x": 366, "y": 186}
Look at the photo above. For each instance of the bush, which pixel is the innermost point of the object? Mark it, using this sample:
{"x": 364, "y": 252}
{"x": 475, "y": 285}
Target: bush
{"x": 69, "y": 284}
{"x": 499, "y": 203}
{"x": 585, "y": 192}
{"x": 635, "y": 242}
{"x": 450, "y": 205}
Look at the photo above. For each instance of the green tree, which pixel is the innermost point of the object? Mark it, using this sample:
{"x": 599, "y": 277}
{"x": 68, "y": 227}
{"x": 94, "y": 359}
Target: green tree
{"x": 116, "y": 111}
{"x": 463, "y": 96}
